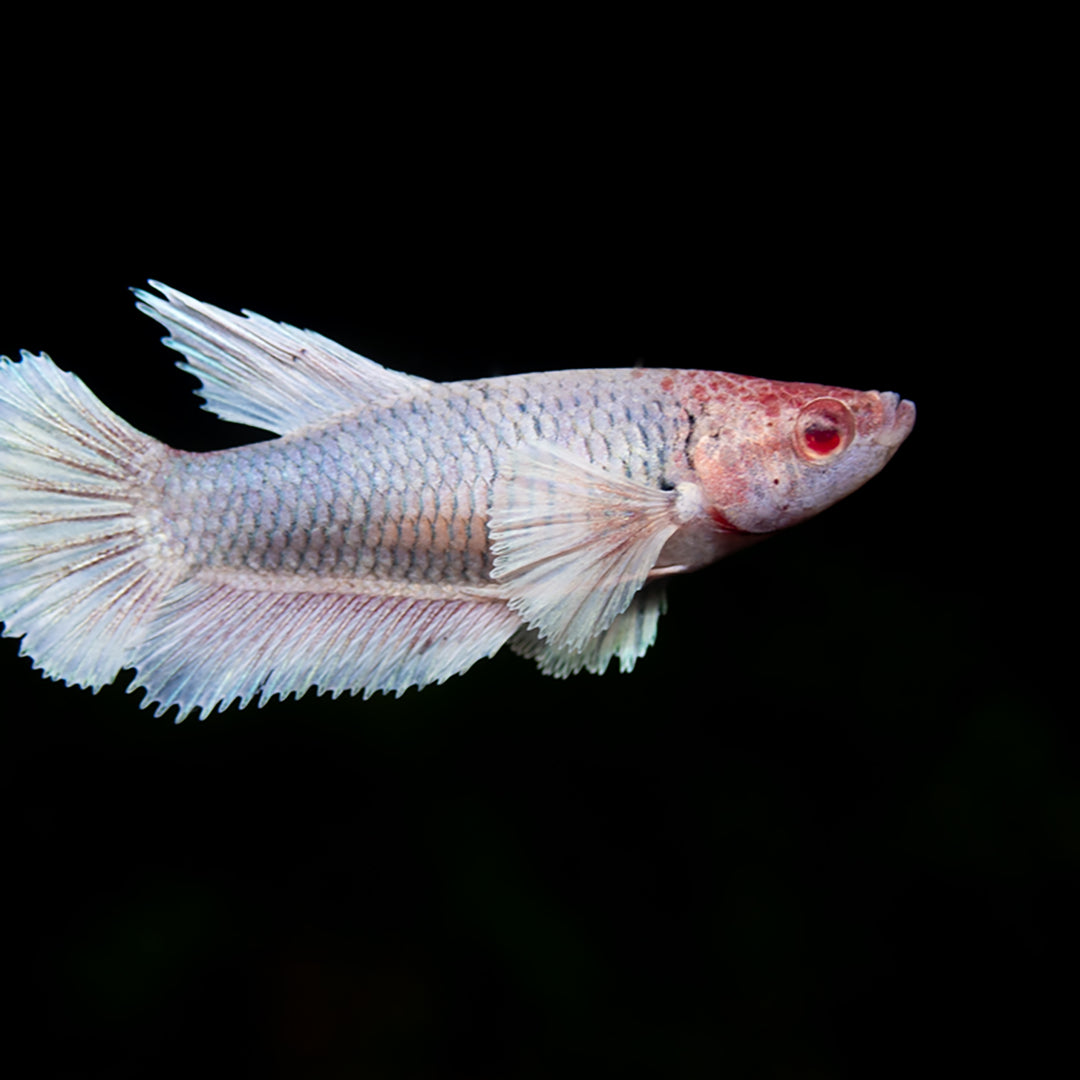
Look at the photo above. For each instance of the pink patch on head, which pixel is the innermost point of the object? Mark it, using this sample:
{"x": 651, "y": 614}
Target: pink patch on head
{"x": 770, "y": 403}
{"x": 667, "y": 383}
{"x": 722, "y": 521}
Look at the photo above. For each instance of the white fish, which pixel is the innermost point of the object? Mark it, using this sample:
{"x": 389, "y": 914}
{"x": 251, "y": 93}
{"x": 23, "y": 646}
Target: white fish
{"x": 398, "y": 530}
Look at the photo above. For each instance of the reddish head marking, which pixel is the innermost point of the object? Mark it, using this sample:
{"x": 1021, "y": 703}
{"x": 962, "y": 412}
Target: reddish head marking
{"x": 722, "y": 521}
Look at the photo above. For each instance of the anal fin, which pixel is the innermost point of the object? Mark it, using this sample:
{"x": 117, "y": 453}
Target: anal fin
{"x": 213, "y": 643}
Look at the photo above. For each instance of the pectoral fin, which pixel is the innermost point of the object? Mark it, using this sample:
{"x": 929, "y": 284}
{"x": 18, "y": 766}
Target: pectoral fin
{"x": 573, "y": 543}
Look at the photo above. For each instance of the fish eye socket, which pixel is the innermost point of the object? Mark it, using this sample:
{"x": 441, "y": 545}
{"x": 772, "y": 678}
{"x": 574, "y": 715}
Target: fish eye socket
{"x": 823, "y": 429}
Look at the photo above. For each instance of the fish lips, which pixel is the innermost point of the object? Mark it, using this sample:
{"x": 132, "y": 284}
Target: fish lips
{"x": 897, "y": 421}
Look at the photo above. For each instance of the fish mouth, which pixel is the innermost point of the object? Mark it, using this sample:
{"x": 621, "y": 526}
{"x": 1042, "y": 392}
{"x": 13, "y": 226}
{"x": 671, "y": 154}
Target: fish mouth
{"x": 897, "y": 421}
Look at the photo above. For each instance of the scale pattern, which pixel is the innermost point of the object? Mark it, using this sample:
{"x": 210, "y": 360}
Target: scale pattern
{"x": 400, "y": 493}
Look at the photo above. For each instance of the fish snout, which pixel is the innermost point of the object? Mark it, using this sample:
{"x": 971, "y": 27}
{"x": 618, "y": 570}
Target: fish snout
{"x": 897, "y": 420}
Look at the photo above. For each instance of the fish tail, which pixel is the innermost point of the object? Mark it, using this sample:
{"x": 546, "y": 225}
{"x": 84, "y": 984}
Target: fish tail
{"x": 80, "y": 571}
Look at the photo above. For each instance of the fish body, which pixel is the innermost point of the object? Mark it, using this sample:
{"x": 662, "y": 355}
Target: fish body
{"x": 398, "y": 529}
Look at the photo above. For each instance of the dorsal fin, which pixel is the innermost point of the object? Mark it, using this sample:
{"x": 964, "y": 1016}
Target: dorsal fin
{"x": 266, "y": 374}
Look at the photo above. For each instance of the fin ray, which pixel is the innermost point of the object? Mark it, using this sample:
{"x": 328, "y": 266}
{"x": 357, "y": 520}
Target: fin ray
{"x": 628, "y": 637}
{"x": 269, "y": 375}
{"x": 78, "y": 571}
{"x": 572, "y": 542}
{"x": 213, "y": 643}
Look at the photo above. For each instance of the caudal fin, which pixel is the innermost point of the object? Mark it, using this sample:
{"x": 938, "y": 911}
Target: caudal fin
{"x": 80, "y": 573}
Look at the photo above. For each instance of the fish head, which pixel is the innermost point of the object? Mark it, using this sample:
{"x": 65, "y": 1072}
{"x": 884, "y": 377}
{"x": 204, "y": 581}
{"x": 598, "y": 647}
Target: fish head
{"x": 773, "y": 453}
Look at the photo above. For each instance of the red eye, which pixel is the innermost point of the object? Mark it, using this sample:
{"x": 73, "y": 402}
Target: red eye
{"x": 823, "y": 429}
{"x": 821, "y": 439}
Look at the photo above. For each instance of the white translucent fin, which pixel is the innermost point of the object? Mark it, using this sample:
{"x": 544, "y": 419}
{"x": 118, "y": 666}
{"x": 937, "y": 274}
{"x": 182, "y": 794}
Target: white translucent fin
{"x": 79, "y": 574}
{"x": 213, "y": 644}
{"x": 266, "y": 374}
{"x": 628, "y": 638}
{"x": 572, "y": 542}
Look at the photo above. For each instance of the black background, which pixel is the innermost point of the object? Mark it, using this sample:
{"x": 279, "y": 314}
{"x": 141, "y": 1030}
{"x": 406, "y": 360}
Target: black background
{"x": 829, "y": 826}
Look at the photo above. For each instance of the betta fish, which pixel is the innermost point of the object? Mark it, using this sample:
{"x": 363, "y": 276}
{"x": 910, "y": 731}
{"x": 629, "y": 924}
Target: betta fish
{"x": 396, "y": 530}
